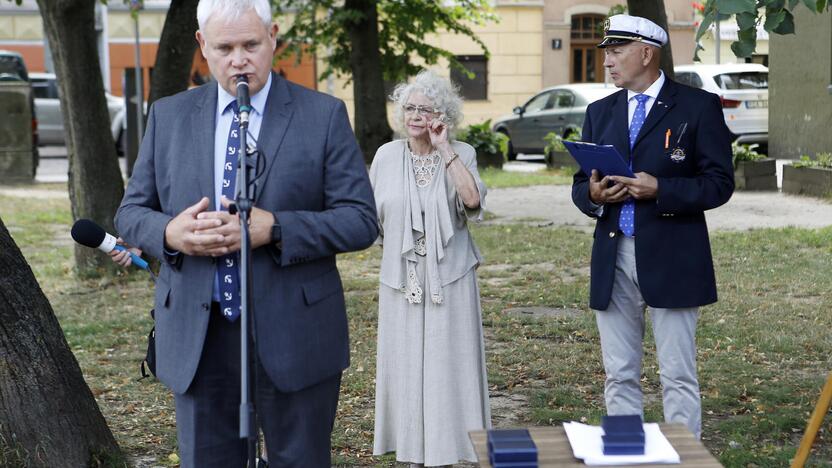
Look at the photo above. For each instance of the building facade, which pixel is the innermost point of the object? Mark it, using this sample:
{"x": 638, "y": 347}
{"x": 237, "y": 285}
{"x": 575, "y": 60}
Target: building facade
{"x": 572, "y": 29}
{"x": 21, "y": 30}
{"x": 535, "y": 44}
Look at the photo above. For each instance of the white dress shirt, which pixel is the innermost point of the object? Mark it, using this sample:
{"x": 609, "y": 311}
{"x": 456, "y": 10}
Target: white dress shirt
{"x": 223, "y": 119}
{"x": 652, "y": 91}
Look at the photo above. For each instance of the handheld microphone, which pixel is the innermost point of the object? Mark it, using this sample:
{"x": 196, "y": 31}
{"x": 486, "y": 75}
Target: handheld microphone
{"x": 86, "y": 232}
{"x": 243, "y": 100}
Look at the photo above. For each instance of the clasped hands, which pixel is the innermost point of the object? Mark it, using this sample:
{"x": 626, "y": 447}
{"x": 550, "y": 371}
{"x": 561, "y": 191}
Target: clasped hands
{"x": 197, "y": 231}
{"x": 642, "y": 187}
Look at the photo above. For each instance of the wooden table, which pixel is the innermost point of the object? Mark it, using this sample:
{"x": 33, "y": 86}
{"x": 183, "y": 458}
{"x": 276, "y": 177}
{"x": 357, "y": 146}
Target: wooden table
{"x": 554, "y": 449}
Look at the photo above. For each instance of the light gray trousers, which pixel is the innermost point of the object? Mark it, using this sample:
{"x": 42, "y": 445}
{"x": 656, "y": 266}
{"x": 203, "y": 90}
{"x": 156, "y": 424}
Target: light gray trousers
{"x": 621, "y": 327}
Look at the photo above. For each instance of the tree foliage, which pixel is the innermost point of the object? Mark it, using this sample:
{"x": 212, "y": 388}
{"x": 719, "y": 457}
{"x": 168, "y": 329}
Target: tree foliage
{"x": 775, "y": 16}
{"x": 404, "y": 29}
{"x": 375, "y": 43}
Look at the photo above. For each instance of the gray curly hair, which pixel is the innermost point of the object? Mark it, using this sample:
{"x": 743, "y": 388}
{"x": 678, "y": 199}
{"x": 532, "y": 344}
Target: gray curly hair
{"x": 441, "y": 92}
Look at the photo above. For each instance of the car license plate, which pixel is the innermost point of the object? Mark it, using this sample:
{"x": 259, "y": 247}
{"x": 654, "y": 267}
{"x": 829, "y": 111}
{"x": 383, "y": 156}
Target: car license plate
{"x": 761, "y": 104}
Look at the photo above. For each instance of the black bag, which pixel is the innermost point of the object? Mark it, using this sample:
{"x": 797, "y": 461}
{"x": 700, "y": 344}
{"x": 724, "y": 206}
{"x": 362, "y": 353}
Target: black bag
{"x": 150, "y": 356}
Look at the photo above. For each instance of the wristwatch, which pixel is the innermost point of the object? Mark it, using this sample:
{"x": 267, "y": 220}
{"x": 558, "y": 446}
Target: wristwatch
{"x": 277, "y": 233}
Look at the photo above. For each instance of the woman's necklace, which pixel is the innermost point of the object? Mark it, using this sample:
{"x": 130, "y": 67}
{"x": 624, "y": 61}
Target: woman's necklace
{"x": 424, "y": 166}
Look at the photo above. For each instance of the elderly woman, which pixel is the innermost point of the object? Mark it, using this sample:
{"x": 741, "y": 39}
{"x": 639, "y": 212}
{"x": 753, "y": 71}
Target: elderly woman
{"x": 431, "y": 386}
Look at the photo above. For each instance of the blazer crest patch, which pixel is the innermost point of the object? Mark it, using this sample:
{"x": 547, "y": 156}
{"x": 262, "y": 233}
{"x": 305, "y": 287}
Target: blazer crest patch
{"x": 677, "y": 155}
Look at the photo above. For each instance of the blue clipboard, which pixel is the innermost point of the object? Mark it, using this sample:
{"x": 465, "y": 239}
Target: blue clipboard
{"x": 603, "y": 158}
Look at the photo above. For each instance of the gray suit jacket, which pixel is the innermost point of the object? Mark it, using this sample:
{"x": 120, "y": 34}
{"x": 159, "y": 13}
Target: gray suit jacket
{"x": 315, "y": 182}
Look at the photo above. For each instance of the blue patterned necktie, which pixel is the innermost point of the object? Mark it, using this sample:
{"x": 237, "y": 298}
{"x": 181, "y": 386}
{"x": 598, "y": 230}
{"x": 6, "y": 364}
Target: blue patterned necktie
{"x": 627, "y": 219}
{"x": 227, "y": 270}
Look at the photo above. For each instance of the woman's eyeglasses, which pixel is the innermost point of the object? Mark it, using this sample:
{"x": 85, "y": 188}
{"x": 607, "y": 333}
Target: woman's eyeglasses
{"x": 424, "y": 111}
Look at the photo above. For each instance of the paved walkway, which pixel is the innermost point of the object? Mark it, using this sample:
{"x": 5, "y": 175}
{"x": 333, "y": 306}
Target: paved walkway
{"x": 550, "y": 204}
{"x": 745, "y": 210}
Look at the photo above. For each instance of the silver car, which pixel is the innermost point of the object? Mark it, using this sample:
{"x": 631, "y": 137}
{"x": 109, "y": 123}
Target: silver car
{"x": 48, "y": 108}
{"x": 558, "y": 109}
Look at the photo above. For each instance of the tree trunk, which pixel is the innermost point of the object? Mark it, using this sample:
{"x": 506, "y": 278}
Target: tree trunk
{"x": 371, "y": 127}
{"x": 654, "y": 11}
{"x": 48, "y": 415}
{"x": 95, "y": 183}
{"x": 171, "y": 73}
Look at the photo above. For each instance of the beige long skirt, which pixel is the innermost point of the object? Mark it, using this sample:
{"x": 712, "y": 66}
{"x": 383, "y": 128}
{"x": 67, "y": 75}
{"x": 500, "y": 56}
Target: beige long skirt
{"x": 431, "y": 384}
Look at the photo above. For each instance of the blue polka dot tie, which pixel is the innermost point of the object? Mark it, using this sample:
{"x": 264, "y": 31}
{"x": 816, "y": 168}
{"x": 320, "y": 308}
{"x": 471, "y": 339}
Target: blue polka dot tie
{"x": 627, "y": 219}
{"x": 228, "y": 272}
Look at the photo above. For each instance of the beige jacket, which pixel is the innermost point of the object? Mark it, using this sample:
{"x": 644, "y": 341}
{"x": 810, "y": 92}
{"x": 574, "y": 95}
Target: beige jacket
{"x": 450, "y": 251}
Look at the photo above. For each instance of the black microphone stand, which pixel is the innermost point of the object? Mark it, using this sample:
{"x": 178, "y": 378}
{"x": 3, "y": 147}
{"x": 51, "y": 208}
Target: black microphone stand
{"x": 245, "y": 200}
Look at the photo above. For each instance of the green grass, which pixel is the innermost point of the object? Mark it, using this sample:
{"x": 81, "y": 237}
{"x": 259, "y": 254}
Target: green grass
{"x": 764, "y": 348}
{"x": 498, "y": 178}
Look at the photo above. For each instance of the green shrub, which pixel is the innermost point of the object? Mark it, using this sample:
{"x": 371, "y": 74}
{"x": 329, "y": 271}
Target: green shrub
{"x": 745, "y": 153}
{"x": 821, "y": 160}
{"x": 554, "y": 142}
{"x": 483, "y": 139}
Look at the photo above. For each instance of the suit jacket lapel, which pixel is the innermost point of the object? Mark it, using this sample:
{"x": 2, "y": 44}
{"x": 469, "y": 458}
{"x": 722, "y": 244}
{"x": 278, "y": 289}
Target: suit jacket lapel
{"x": 203, "y": 127}
{"x": 276, "y": 117}
{"x": 664, "y": 102}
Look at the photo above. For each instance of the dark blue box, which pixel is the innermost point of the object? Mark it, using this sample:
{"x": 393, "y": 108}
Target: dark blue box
{"x": 532, "y": 464}
{"x": 622, "y": 424}
{"x": 622, "y": 448}
{"x": 623, "y": 438}
{"x": 509, "y": 434}
{"x": 512, "y": 451}
{"x": 623, "y": 435}
{"x": 511, "y": 448}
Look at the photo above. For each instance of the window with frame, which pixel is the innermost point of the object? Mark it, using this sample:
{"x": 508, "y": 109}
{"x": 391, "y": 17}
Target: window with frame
{"x": 476, "y": 88}
{"x": 586, "y": 61}
{"x": 588, "y": 27}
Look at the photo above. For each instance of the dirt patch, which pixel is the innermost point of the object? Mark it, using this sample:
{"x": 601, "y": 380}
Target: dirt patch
{"x": 502, "y": 274}
{"x": 543, "y": 312}
{"x": 506, "y": 408}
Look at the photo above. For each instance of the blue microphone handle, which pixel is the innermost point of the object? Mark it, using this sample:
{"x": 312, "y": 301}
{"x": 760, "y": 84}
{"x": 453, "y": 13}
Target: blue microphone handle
{"x": 138, "y": 261}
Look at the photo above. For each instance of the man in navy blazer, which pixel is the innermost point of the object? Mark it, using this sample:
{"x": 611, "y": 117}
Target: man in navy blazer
{"x": 313, "y": 201}
{"x": 651, "y": 247}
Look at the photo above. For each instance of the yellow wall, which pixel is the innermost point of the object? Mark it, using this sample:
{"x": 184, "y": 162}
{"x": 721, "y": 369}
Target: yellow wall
{"x": 515, "y": 66}
{"x": 521, "y": 62}
{"x": 557, "y": 20}
{"x": 21, "y": 27}
{"x": 120, "y": 25}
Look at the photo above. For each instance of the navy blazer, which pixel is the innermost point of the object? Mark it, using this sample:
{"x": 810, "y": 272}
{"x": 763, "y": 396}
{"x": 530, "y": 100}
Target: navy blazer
{"x": 694, "y": 172}
{"x": 316, "y": 182}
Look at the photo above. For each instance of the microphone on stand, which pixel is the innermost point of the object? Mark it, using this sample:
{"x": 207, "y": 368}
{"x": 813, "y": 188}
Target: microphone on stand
{"x": 86, "y": 232}
{"x": 243, "y": 100}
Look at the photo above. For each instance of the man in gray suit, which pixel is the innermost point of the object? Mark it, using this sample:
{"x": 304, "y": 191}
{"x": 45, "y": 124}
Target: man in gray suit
{"x": 313, "y": 201}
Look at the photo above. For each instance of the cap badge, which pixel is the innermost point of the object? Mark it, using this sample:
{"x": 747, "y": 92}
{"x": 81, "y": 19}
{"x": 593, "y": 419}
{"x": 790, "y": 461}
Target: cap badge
{"x": 606, "y": 26}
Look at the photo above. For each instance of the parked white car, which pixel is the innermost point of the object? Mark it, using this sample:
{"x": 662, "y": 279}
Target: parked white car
{"x": 743, "y": 90}
{"x": 48, "y": 108}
